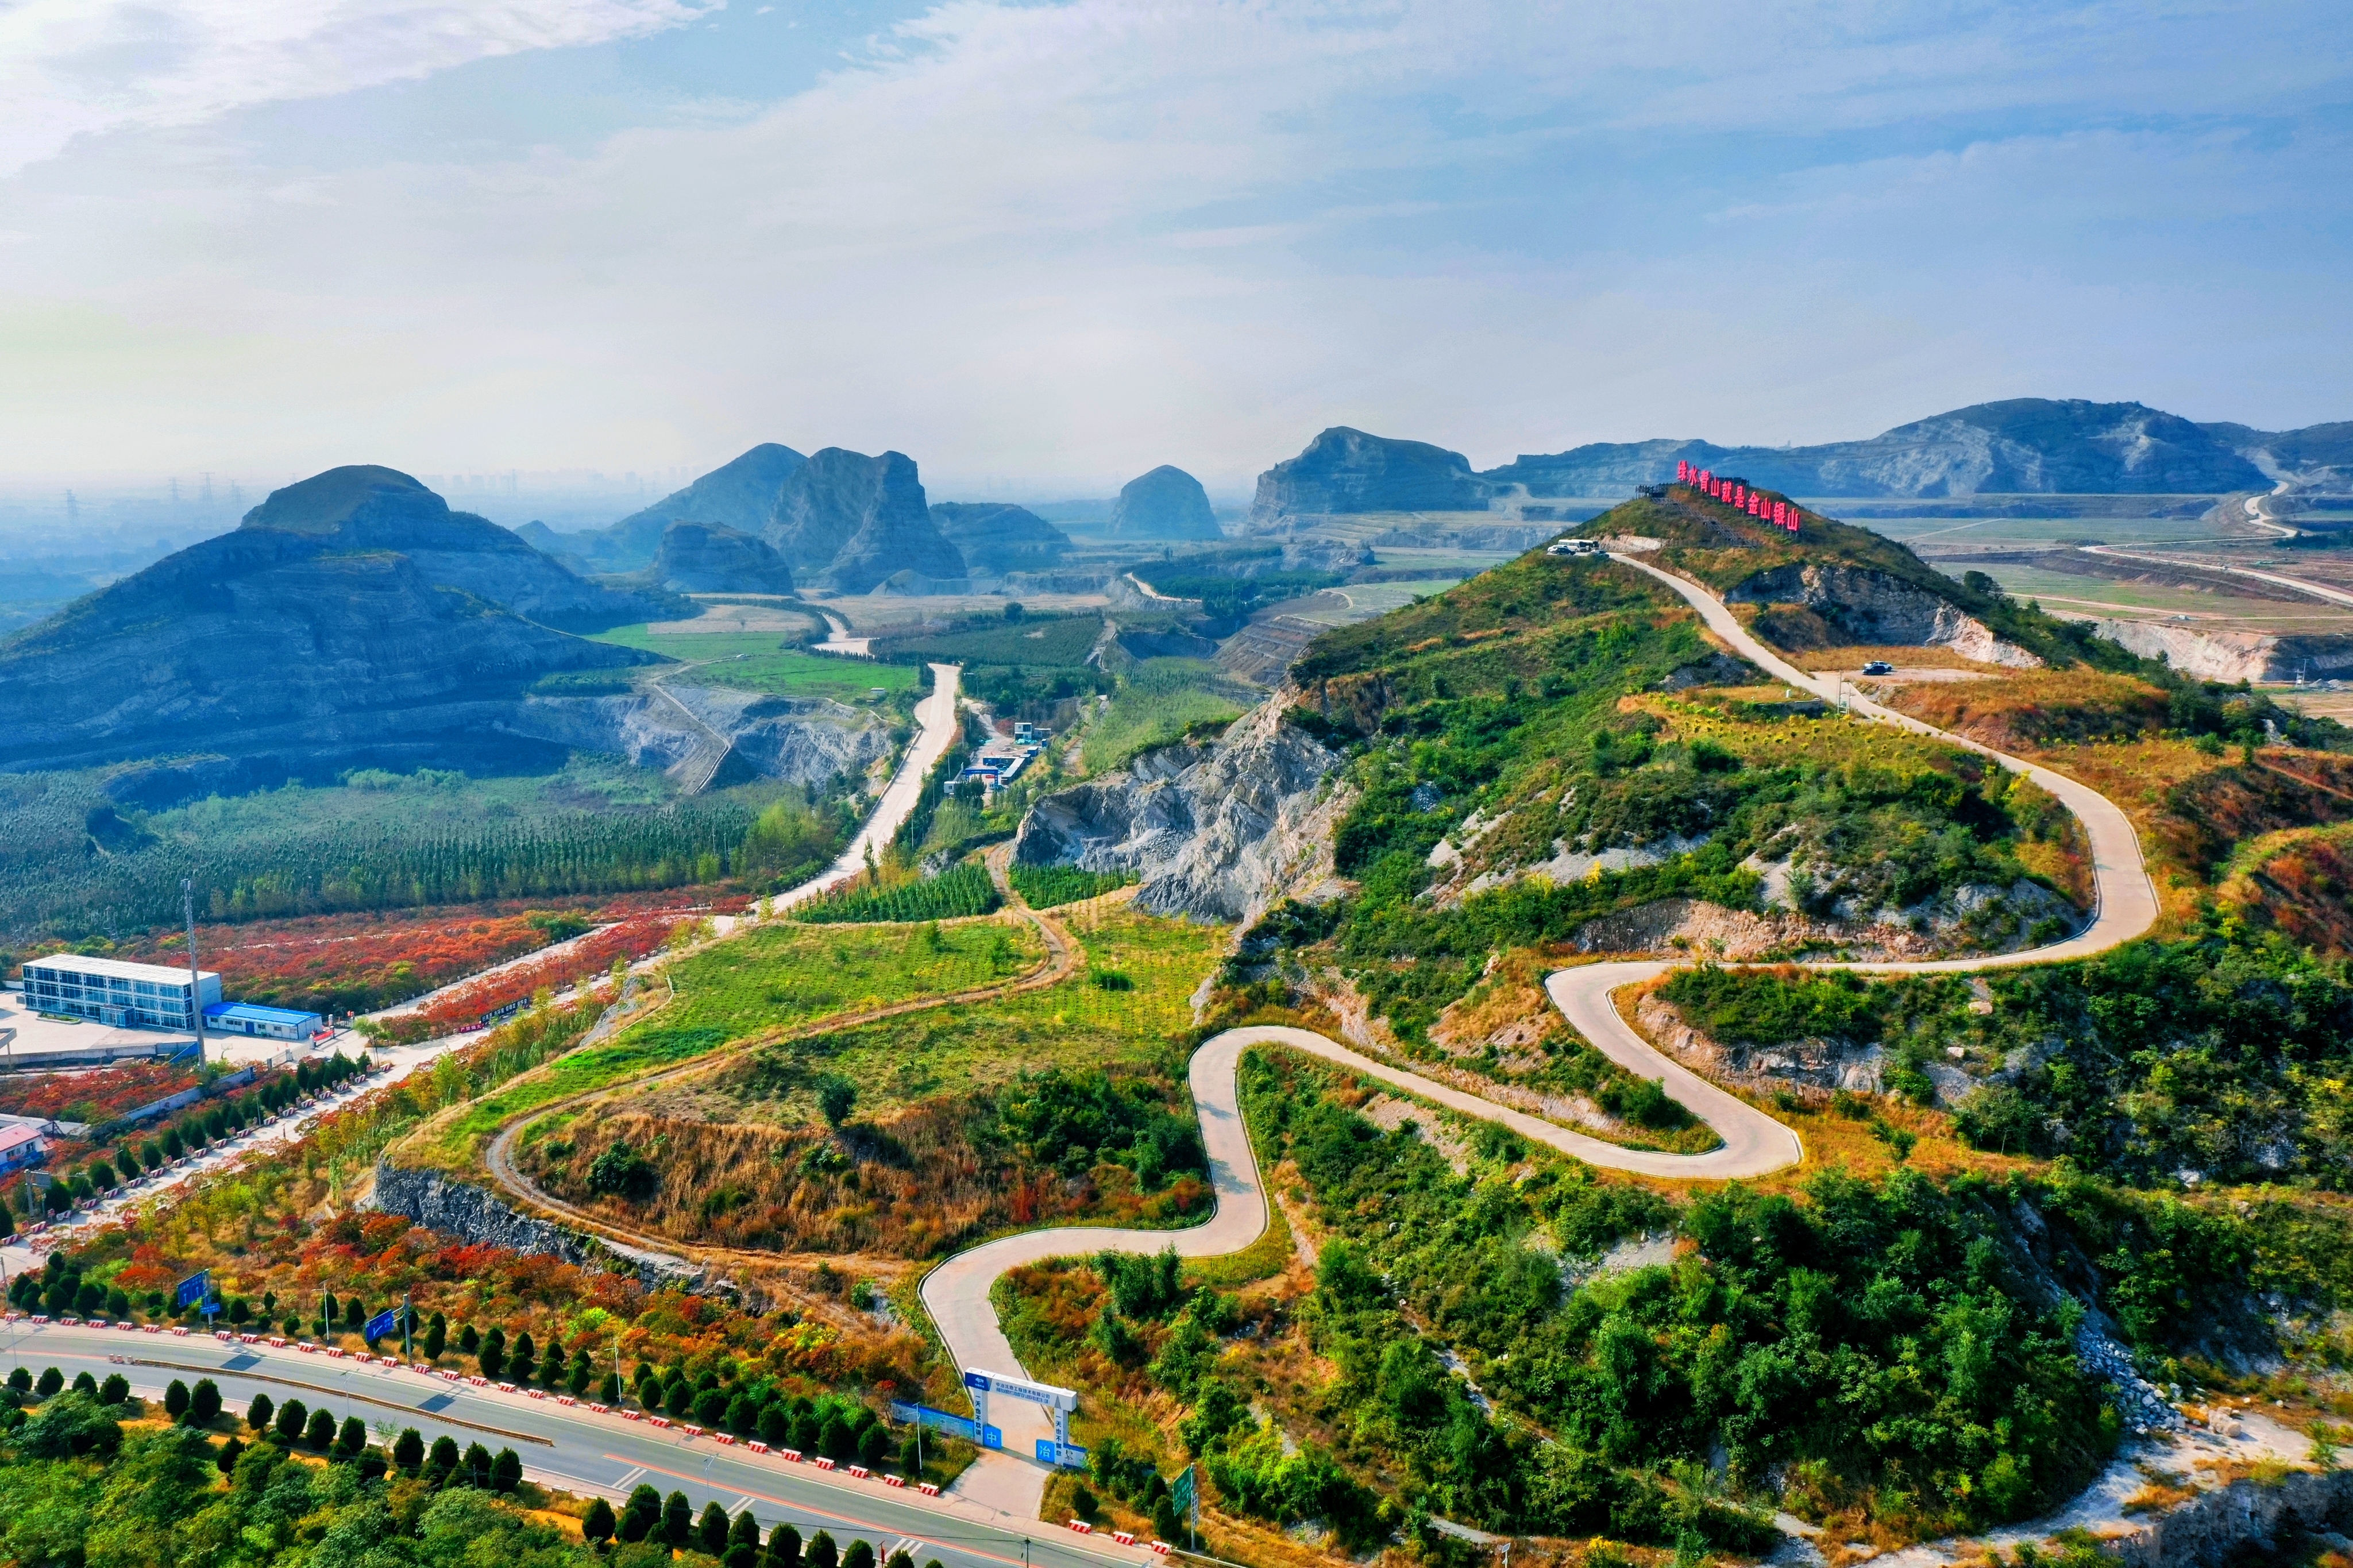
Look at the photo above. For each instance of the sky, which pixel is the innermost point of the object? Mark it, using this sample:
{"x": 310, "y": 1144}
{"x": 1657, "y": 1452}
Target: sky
{"x": 1041, "y": 248}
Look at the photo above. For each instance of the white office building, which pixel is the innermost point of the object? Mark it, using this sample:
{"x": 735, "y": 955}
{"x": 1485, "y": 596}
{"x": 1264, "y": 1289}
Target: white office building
{"x": 125, "y": 995}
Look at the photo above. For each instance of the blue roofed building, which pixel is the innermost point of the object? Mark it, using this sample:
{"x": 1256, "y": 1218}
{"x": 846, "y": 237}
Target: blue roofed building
{"x": 262, "y": 1023}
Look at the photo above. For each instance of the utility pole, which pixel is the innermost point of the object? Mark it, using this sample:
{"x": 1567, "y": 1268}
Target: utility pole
{"x": 195, "y": 980}
{"x": 408, "y": 1349}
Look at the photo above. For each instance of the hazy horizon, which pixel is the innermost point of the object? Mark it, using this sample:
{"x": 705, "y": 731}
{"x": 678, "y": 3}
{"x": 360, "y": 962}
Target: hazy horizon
{"x": 1042, "y": 247}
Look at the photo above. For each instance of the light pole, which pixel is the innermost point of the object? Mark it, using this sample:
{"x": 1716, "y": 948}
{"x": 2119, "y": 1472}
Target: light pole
{"x": 196, "y": 981}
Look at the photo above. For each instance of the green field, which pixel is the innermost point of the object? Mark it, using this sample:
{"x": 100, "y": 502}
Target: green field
{"x": 759, "y": 661}
{"x": 762, "y": 982}
{"x": 1154, "y": 704}
{"x": 1130, "y": 1004}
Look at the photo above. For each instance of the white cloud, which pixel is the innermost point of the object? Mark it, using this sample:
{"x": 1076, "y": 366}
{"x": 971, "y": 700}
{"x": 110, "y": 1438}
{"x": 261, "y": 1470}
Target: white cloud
{"x": 70, "y": 69}
{"x": 1082, "y": 238}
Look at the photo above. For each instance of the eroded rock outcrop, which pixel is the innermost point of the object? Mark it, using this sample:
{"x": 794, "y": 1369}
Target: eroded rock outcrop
{"x": 705, "y": 558}
{"x": 1216, "y": 832}
{"x": 1872, "y": 609}
{"x": 1345, "y": 472}
{"x": 1167, "y": 503}
{"x": 462, "y": 1209}
{"x": 2233, "y": 656}
{"x": 850, "y": 521}
{"x": 803, "y": 741}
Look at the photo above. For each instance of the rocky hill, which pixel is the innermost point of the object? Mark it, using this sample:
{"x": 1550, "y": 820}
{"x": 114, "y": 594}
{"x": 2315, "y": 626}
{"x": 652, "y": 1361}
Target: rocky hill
{"x": 705, "y": 558}
{"x": 2024, "y": 445}
{"x": 363, "y": 507}
{"x": 352, "y": 619}
{"x": 741, "y": 495}
{"x": 849, "y": 522}
{"x": 1167, "y": 503}
{"x": 1345, "y": 472}
{"x": 996, "y": 538}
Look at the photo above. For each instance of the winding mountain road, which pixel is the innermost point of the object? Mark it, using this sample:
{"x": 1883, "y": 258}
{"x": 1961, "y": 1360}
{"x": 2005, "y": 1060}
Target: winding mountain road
{"x": 957, "y": 1293}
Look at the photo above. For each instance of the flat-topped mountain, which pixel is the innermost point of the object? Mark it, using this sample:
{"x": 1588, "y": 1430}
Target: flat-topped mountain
{"x": 1344, "y": 472}
{"x": 848, "y": 522}
{"x": 352, "y": 617}
{"x": 1167, "y": 503}
{"x": 996, "y": 537}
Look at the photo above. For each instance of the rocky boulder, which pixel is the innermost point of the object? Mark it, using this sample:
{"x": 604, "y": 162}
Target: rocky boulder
{"x": 705, "y": 558}
{"x": 850, "y": 521}
{"x": 1216, "y": 832}
{"x": 996, "y": 539}
{"x": 1346, "y": 471}
{"x": 1167, "y": 503}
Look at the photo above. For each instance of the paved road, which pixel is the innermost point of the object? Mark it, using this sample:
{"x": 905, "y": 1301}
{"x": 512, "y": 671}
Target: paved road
{"x": 956, "y": 1293}
{"x": 937, "y": 715}
{"x": 2318, "y": 590}
{"x": 570, "y": 1447}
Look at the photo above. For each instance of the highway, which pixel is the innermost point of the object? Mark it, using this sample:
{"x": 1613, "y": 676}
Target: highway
{"x": 569, "y": 1448}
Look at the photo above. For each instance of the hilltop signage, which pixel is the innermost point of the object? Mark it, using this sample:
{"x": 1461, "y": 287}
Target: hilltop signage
{"x": 1735, "y": 494}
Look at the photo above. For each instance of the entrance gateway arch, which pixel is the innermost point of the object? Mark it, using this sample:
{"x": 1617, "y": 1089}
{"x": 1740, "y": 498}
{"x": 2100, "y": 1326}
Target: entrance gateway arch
{"x": 1054, "y": 1450}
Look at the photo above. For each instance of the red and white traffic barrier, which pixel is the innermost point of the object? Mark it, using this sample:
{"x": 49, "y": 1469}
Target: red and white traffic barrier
{"x": 861, "y": 1472}
{"x": 929, "y": 1488}
{"x": 894, "y": 1480}
{"x": 1162, "y": 1547}
{"x": 823, "y": 1463}
{"x": 1080, "y": 1525}
{"x": 756, "y": 1446}
{"x": 1123, "y": 1537}
{"x": 792, "y": 1455}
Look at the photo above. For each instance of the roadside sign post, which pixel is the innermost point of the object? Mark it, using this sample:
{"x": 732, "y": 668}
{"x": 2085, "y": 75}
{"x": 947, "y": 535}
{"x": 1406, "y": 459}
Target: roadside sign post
{"x": 1185, "y": 1496}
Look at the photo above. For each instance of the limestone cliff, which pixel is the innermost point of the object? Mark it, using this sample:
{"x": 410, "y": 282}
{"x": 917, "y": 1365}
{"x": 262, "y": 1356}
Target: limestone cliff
{"x": 849, "y": 522}
{"x": 2235, "y": 655}
{"x": 1216, "y": 832}
{"x": 1167, "y": 503}
{"x": 1874, "y": 610}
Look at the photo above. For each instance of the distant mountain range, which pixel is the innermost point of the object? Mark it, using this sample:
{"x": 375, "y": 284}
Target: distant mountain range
{"x": 844, "y": 521}
{"x": 2023, "y": 446}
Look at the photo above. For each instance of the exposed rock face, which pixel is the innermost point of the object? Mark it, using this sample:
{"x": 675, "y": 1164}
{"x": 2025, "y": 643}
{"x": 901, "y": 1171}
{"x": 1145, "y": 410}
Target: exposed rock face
{"x": 1824, "y": 1063}
{"x": 462, "y": 1209}
{"x": 1344, "y": 472}
{"x": 997, "y": 538}
{"x": 2023, "y": 445}
{"x": 1217, "y": 832}
{"x": 1873, "y": 609}
{"x": 2235, "y": 655}
{"x": 805, "y": 740}
{"x": 1167, "y": 503}
{"x": 850, "y": 521}
{"x": 347, "y": 623}
{"x": 741, "y": 495}
{"x": 705, "y": 558}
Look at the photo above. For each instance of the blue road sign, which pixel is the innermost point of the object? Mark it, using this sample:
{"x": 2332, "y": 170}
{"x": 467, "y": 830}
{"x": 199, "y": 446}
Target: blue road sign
{"x": 196, "y": 1288}
{"x": 383, "y": 1323}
